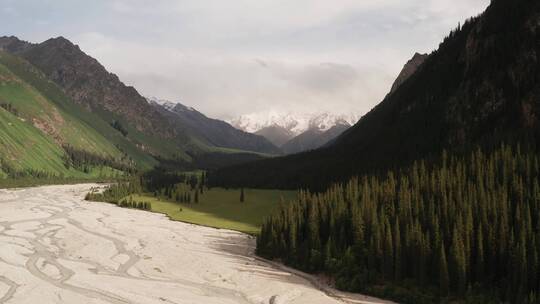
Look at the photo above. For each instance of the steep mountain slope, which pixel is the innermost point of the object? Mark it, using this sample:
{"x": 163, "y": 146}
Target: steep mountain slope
{"x": 276, "y": 134}
{"x": 41, "y": 101}
{"x": 33, "y": 107}
{"x": 480, "y": 87}
{"x": 408, "y": 70}
{"x": 91, "y": 86}
{"x": 212, "y": 132}
{"x": 313, "y": 139}
{"x": 36, "y": 130}
{"x": 27, "y": 148}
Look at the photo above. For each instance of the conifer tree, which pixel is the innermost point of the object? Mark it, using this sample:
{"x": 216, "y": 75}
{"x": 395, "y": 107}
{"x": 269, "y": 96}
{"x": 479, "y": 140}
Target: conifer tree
{"x": 444, "y": 279}
{"x": 467, "y": 224}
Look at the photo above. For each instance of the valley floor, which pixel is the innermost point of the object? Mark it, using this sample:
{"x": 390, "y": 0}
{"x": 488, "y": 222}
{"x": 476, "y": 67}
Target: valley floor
{"x": 57, "y": 248}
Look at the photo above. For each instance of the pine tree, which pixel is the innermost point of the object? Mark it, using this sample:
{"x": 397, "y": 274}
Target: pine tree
{"x": 444, "y": 279}
{"x": 467, "y": 221}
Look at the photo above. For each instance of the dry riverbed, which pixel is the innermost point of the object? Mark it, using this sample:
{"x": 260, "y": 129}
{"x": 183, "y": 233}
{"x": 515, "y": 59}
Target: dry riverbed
{"x": 57, "y": 248}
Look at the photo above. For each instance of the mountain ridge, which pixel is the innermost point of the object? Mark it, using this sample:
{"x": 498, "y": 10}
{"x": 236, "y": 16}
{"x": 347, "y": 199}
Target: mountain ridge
{"x": 152, "y": 131}
{"x": 40, "y": 127}
{"x": 468, "y": 92}
{"x": 212, "y": 131}
{"x": 408, "y": 70}
{"x": 90, "y": 85}
{"x": 295, "y": 132}
{"x": 295, "y": 123}
{"x": 313, "y": 139}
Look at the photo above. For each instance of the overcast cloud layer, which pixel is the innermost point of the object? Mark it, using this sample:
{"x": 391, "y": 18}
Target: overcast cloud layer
{"x": 232, "y": 57}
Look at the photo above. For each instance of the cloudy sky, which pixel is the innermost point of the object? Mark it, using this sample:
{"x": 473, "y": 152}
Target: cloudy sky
{"x": 232, "y": 57}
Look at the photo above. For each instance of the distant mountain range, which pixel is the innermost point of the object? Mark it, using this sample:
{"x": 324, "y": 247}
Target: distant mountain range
{"x": 294, "y": 123}
{"x": 56, "y": 99}
{"x": 479, "y": 88}
{"x": 210, "y": 131}
{"x": 314, "y": 138}
{"x": 295, "y": 132}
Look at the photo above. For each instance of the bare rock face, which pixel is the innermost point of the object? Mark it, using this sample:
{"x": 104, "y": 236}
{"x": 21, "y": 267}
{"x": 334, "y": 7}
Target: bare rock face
{"x": 13, "y": 44}
{"x": 88, "y": 83}
{"x": 409, "y": 69}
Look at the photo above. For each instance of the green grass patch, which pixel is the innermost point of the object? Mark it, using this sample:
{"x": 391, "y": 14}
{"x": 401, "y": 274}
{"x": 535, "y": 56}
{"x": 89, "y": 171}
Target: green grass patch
{"x": 33, "y": 107}
{"x": 25, "y": 147}
{"x": 221, "y": 208}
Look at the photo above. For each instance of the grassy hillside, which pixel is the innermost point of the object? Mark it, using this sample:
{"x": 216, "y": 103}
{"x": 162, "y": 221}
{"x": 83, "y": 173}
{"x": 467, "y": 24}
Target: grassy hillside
{"x": 36, "y": 109}
{"x": 37, "y": 121}
{"x": 25, "y": 147}
{"x": 42, "y": 103}
{"x": 88, "y": 84}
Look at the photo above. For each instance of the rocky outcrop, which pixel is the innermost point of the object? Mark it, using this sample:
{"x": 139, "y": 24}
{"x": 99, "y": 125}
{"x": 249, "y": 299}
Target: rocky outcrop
{"x": 13, "y": 44}
{"x": 410, "y": 68}
{"x": 89, "y": 84}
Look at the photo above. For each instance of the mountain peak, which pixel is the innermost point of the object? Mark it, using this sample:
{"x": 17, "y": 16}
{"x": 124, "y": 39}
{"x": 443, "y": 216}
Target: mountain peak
{"x": 409, "y": 69}
{"x": 294, "y": 123}
{"x": 60, "y": 42}
{"x": 169, "y": 105}
{"x": 61, "y": 39}
{"x": 13, "y": 44}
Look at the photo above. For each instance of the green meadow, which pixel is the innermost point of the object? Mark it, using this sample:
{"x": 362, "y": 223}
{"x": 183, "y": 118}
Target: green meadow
{"x": 221, "y": 208}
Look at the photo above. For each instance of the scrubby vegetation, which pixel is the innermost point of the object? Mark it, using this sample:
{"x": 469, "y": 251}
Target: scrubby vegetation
{"x": 119, "y": 127}
{"x": 9, "y": 107}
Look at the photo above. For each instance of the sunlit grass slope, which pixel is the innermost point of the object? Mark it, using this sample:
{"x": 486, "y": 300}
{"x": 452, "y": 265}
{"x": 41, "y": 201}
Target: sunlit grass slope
{"x": 222, "y": 208}
{"x": 43, "y": 104}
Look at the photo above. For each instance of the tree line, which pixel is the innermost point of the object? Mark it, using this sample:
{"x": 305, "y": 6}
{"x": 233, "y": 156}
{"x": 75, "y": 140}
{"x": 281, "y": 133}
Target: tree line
{"x": 83, "y": 160}
{"x": 15, "y": 173}
{"x": 460, "y": 228}
{"x": 174, "y": 186}
{"x": 115, "y": 192}
{"x": 119, "y": 127}
{"x": 131, "y": 203}
{"x": 9, "y": 107}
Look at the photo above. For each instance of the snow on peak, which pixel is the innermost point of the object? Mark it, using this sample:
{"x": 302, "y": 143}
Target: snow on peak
{"x": 296, "y": 123}
{"x": 169, "y": 105}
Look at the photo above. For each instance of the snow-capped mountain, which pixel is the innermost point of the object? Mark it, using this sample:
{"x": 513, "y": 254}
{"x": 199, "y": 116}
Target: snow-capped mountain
{"x": 295, "y": 123}
{"x": 212, "y": 132}
{"x": 169, "y": 105}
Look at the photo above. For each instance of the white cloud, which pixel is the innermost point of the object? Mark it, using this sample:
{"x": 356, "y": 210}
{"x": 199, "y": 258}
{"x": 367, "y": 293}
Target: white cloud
{"x": 239, "y": 56}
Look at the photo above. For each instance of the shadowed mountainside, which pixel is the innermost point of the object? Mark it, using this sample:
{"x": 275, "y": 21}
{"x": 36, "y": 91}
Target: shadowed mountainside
{"x": 480, "y": 87}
